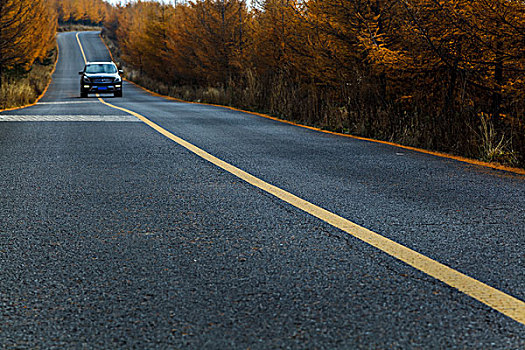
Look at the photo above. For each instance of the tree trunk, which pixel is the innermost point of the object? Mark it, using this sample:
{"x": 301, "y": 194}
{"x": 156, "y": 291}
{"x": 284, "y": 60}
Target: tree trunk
{"x": 449, "y": 99}
{"x": 2, "y": 102}
{"x": 498, "y": 78}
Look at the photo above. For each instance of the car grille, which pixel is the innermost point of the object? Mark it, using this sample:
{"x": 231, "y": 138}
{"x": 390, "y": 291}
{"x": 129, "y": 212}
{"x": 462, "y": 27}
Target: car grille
{"x": 103, "y": 80}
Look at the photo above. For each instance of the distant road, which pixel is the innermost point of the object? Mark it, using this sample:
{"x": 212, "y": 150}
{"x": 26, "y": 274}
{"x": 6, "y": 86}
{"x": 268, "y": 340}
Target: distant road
{"x": 143, "y": 222}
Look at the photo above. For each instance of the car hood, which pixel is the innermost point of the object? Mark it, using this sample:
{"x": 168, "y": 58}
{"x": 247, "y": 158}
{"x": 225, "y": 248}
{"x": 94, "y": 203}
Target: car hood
{"x": 101, "y": 75}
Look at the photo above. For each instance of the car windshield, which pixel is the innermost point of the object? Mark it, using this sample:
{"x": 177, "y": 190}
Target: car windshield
{"x": 101, "y": 68}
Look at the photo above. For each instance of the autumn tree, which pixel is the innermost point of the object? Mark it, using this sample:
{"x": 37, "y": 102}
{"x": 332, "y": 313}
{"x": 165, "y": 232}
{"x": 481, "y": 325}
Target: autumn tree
{"x": 27, "y": 29}
{"x": 82, "y": 11}
{"x": 457, "y": 57}
{"x": 202, "y": 42}
{"x": 130, "y": 29}
{"x": 420, "y": 72}
{"x": 217, "y": 30}
{"x": 155, "y": 41}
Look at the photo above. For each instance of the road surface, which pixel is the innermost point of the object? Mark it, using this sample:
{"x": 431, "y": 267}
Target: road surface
{"x": 112, "y": 235}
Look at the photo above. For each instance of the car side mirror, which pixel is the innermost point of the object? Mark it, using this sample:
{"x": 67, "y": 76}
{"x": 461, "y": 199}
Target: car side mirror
{"x": 121, "y": 71}
{"x": 80, "y": 73}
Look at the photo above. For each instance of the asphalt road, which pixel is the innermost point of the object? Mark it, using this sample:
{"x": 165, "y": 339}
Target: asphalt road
{"x": 114, "y": 236}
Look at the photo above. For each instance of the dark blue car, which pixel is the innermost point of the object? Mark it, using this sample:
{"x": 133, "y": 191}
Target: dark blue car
{"x": 101, "y": 77}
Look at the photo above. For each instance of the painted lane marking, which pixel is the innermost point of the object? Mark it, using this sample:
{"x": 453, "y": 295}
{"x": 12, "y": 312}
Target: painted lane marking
{"x": 65, "y": 102}
{"x": 494, "y": 298}
{"x": 497, "y": 166}
{"x": 81, "y": 49}
{"x": 68, "y": 118}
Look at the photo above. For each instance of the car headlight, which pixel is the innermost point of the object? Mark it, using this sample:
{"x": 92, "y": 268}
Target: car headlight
{"x": 117, "y": 80}
{"x": 86, "y": 79}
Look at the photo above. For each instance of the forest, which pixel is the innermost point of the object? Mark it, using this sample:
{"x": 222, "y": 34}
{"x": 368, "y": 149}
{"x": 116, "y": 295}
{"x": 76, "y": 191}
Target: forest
{"x": 444, "y": 75}
{"x": 87, "y": 12}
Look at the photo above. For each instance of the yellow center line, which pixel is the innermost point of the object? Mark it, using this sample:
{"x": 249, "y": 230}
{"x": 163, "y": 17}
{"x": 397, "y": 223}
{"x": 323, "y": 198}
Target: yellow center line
{"x": 492, "y": 297}
{"x": 496, "y": 299}
{"x": 81, "y": 49}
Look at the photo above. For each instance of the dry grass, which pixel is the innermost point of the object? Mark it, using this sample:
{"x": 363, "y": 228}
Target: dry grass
{"x": 310, "y": 107}
{"x": 494, "y": 147}
{"x": 23, "y": 88}
{"x": 361, "y": 110}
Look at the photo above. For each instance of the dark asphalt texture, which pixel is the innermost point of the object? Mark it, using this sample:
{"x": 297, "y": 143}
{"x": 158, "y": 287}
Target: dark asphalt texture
{"x": 113, "y": 236}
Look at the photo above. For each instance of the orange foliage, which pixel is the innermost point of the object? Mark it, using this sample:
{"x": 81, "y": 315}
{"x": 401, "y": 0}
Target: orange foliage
{"x": 27, "y": 30}
{"x": 82, "y": 11}
{"x": 417, "y": 71}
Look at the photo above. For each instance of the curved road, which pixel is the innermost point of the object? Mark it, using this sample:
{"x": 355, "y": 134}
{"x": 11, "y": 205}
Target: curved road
{"x": 114, "y": 236}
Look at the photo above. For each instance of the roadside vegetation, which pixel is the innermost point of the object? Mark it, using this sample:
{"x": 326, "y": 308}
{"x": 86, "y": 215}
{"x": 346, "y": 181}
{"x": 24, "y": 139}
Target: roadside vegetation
{"x": 78, "y": 28}
{"x": 23, "y": 87}
{"x": 441, "y": 75}
{"x": 80, "y": 14}
{"x": 27, "y": 42}
{"x": 27, "y": 30}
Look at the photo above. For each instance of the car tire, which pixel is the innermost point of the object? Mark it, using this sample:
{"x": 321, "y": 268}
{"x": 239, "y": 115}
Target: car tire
{"x": 118, "y": 94}
{"x": 83, "y": 94}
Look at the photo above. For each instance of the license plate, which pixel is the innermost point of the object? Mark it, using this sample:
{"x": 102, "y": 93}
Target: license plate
{"x": 102, "y": 88}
